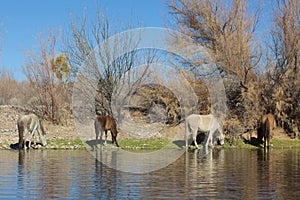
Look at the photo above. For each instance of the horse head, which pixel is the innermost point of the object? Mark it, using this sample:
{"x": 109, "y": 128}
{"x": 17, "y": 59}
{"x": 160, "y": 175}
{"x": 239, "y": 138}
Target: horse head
{"x": 220, "y": 137}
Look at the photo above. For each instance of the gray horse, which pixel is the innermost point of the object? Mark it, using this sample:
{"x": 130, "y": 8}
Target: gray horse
{"x": 205, "y": 123}
{"x": 27, "y": 126}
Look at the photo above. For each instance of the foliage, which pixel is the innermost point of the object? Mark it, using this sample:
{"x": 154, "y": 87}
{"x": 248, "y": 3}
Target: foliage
{"x": 285, "y": 74}
{"x": 227, "y": 31}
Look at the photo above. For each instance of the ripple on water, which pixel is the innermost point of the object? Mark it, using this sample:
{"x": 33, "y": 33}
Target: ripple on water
{"x": 219, "y": 174}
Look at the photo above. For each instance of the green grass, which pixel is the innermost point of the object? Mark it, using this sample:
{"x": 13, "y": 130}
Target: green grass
{"x": 156, "y": 143}
{"x": 63, "y": 144}
{"x": 254, "y": 144}
{"x": 286, "y": 143}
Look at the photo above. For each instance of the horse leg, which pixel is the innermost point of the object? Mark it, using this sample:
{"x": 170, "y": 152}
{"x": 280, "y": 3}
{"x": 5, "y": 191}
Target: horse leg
{"x": 114, "y": 139}
{"x": 30, "y": 138}
{"x": 116, "y": 142}
{"x": 40, "y": 136}
{"x": 268, "y": 139}
{"x": 195, "y": 138}
{"x": 21, "y": 137}
{"x": 187, "y": 133}
{"x": 211, "y": 133}
{"x": 209, "y": 138}
{"x": 101, "y": 136}
{"x": 97, "y": 131}
{"x": 25, "y": 137}
{"x": 41, "y": 133}
{"x": 34, "y": 138}
{"x": 265, "y": 140}
{"x": 105, "y": 137}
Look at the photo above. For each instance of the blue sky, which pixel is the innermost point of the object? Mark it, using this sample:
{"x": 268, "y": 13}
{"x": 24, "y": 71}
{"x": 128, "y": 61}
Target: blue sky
{"x": 22, "y": 20}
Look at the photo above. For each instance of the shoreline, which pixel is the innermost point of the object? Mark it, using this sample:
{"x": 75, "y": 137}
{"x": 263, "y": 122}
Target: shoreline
{"x": 149, "y": 144}
{"x": 65, "y": 137}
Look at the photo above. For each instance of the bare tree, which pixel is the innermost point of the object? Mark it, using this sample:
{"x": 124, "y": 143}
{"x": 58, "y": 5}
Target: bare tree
{"x": 8, "y": 86}
{"x": 48, "y": 74}
{"x": 101, "y": 55}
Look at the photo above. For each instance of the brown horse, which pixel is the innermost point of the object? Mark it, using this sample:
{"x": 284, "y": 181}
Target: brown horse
{"x": 104, "y": 124}
{"x": 27, "y": 125}
{"x": 267, "y": 124}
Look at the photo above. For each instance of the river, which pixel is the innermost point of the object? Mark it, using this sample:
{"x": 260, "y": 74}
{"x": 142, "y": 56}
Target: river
{"x": 218, "y": 174}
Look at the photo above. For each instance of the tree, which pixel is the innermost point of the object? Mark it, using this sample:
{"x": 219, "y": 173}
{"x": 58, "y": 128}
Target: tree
{"x": 225, "y": 29}
{"x": 8, "y": 86}
{"x": 48, "y": 73}
{"x": 95, "y": 57}
{"x": 285, "y": 49}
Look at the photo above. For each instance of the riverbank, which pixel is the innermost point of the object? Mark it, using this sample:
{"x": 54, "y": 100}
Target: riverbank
{"x": 66, "y": 137}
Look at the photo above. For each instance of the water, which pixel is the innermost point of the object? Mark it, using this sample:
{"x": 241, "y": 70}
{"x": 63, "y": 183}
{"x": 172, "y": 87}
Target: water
{"x": 221, "y": 174}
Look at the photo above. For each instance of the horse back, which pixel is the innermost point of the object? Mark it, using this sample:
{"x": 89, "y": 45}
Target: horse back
{"x": 271, "y": 121}
{"x": 24, "y": 121}
{"x": 110, "y": 124}
{"x": 268, "y": 123}
{"x": 107, "y": 123}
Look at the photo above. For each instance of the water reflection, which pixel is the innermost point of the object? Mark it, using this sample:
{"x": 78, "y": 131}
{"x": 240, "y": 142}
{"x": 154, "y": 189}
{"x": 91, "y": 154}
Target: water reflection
{"x": 213, "y": 174}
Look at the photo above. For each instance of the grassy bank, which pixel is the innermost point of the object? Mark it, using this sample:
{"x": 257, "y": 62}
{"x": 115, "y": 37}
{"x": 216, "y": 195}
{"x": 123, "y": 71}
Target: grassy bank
{"x": 156, "y": 143}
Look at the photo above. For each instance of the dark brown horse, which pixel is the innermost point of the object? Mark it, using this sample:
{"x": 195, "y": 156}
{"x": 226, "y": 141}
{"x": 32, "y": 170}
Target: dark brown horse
{"x": 267, "y": 124}
{"x": 105, "y": 124}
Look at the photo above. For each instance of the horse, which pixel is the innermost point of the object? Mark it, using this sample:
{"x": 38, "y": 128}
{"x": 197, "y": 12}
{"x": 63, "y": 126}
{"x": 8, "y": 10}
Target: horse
{"x": 105, "y": 124}
{"x": 27, "y": 125}
{"x": 267, "y": 124}
{"x": 205, "y": 123}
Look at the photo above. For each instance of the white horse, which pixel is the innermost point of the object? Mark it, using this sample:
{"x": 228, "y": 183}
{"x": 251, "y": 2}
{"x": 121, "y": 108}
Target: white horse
{"x": 205, "y": 123}
{"x": 27, "y": 125}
